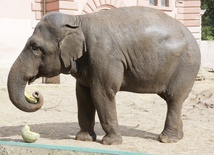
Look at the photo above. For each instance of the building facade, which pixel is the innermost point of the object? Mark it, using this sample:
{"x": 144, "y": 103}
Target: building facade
{"x": 186, "y": 11}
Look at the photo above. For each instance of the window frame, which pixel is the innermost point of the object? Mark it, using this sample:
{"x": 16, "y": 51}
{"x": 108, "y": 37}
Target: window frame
{"x": 160, "y": 7}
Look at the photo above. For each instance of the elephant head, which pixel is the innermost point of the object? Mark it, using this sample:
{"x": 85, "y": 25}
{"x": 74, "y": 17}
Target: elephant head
{"x": 56, "y": 43}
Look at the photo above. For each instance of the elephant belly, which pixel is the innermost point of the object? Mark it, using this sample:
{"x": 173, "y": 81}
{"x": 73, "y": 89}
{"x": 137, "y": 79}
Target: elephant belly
{"x": 137, "y": 85}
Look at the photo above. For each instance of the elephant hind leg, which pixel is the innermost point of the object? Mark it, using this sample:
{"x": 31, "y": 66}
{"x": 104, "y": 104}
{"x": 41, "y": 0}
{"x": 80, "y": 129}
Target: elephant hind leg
{"x": 175, "y": 94}
{"x": 173, "y": 129}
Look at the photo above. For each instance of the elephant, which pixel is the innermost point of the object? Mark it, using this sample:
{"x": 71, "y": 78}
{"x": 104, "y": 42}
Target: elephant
{"x": 135, "y": 49}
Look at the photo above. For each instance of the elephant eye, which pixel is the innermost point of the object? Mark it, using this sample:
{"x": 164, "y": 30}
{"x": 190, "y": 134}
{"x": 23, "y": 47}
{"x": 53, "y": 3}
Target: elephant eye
{"x": 35, "y": 47}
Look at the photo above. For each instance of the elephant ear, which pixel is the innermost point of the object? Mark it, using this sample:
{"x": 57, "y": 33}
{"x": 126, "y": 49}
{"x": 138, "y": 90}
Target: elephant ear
{"x": 72, "y": 45}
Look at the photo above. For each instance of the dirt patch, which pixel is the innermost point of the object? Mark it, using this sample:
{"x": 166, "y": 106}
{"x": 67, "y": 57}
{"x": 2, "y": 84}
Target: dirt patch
{"x": 141, "y": 118}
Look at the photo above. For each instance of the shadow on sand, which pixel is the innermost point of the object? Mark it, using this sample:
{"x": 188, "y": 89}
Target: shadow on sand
{"x": 68, "y": 131}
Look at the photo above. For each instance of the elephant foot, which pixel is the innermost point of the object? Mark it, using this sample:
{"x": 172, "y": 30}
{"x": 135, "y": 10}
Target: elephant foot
{"x": 112, "y": 139}
{"x": 85, "y": 136}
{"x": 166, "y": 137}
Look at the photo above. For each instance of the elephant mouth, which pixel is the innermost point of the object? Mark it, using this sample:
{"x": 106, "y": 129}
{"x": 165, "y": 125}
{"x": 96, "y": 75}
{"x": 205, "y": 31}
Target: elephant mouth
{"x": 31, "y": 80}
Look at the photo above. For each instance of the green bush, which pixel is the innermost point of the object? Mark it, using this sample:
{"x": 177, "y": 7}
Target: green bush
{"x": 208, "y": 19}
{"x": 207, "y": 33}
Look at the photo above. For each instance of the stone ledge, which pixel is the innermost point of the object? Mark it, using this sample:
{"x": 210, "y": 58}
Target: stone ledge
{"x": 9, "y": 147}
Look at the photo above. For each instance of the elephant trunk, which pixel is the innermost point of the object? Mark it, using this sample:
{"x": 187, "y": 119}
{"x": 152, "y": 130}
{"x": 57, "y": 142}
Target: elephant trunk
{"x": 17, "y": 80}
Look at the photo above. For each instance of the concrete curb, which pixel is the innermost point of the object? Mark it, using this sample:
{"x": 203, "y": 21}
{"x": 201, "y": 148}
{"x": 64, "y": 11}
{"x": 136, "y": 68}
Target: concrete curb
{"x": 20, "y": 148}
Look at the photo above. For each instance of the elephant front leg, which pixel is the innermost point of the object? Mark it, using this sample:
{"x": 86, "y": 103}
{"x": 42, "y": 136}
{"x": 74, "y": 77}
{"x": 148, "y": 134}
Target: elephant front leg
{"x": 104, "y": 101}
{"x": 86, "y": 114}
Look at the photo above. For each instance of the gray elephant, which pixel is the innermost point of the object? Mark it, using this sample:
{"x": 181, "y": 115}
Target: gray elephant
{"x": 135, "y": 49}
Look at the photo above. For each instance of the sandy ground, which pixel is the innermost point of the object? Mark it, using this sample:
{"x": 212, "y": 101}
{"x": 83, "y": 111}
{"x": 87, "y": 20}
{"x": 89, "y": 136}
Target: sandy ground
{"x": 141, "y": 118}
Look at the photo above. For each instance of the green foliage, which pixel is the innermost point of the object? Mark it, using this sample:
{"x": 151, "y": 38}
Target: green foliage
{"x": 208, "y": 19}
{"x": 207, "y": 33}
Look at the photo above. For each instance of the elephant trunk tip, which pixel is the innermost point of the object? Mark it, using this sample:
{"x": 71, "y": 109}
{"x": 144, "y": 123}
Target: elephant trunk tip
{"x": 37, "y": 95}
{"x": 28, "y": 103}
{"x": 35, "y": 101}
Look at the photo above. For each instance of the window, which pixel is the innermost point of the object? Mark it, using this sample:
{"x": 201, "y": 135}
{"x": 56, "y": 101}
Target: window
{"x": 165, "y": 3}
{"x": 153, "y": 2}
{"x": 160, "y": 3}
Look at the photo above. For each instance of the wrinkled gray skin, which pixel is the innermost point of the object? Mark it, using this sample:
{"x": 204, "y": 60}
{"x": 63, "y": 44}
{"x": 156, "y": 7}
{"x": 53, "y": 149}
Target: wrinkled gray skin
{"x": 134, "y": 49}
